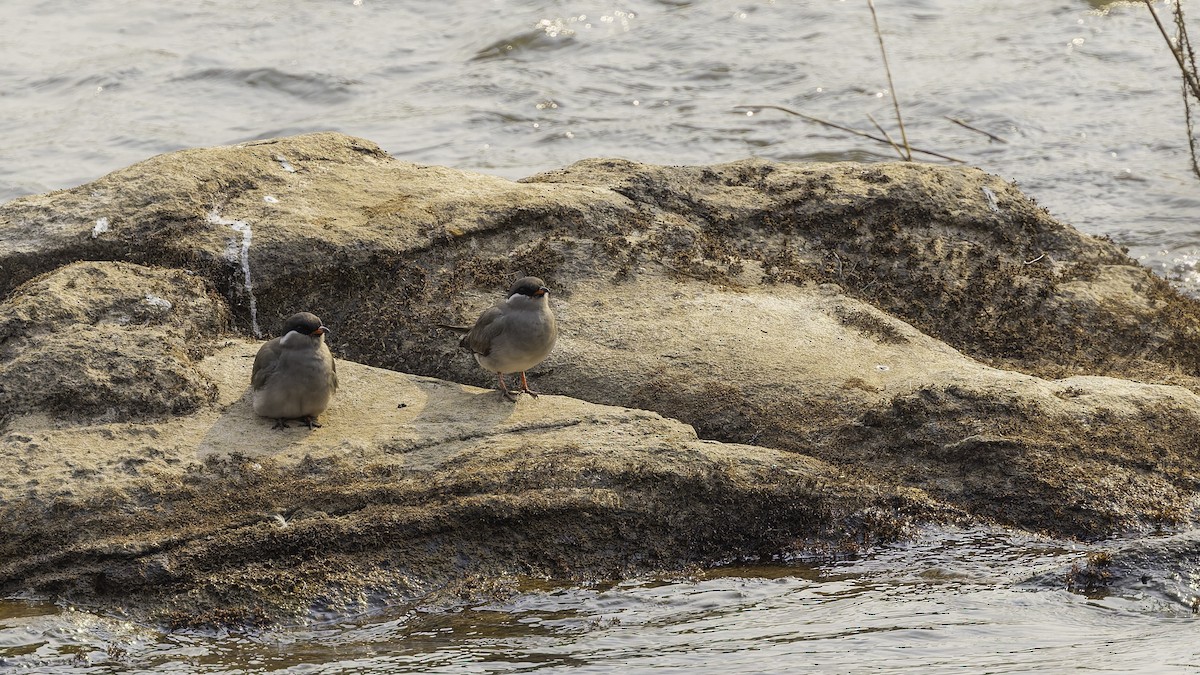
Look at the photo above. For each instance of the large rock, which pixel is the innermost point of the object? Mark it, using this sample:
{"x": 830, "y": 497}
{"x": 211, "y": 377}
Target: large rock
{"x": 108, "y": 340}
{"x": 413, "y": 488}
{"x": 829, "y": 376}
{"x": 287, "y": 222}
{"x": 920, "y": 342}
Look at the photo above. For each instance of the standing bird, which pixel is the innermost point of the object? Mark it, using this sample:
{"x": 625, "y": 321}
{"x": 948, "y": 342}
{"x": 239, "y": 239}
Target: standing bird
{"x": 515, "y": 335}
{"x": 294, "y": 375}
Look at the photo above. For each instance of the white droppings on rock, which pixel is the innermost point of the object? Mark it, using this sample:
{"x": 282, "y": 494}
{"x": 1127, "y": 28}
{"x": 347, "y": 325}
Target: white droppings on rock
{"x": 241, "y": 254}
{"x": 287, "y": 166}
{"x": 271, "y": 199}
{"x": 991, "y": 199}
{"x": 155, "y": 301}
{"x": 100, "y": 227}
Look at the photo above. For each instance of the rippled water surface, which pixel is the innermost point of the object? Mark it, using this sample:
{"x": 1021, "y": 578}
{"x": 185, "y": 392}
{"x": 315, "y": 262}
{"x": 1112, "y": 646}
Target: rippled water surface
{"x": 1084, "y": 95}
{"x": 953, "y": 601}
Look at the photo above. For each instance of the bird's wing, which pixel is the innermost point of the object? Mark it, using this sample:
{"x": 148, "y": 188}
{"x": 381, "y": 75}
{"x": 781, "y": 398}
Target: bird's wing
{"x": 265, "y": 363}
{"x": 333, "y": 381}
{"x": 479, "y": 338}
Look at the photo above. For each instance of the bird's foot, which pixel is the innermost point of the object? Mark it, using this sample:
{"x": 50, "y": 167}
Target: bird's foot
{"x": 281, "y": 423}
{"x": 525, "y": 387}
{"x": 311, "y": 421}
{"x": 504, "y": 389}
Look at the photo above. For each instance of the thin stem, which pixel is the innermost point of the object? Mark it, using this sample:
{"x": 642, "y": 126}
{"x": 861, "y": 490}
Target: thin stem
{"x": 1188, "y": 76}
{"x": 848, "y": 130}
{"x": 1185, "y": 47}
{"x": 887, "y": 136}
{"x": 977, "y": 130}
{"x": 891, "y": 86}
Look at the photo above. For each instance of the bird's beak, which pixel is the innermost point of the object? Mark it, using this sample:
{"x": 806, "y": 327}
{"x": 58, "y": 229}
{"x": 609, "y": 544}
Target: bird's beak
{"x": 321, "y": 331}
{"x": 541, "y": 291}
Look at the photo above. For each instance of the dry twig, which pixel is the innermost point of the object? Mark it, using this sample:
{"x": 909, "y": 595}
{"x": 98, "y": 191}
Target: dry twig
{"x": 888, "y": 136}
{"x": 848, "y": 130}
{"x": 1185, "y": 57}
{"x": 891, "y": 87}
{"x": 1189, "y": 76}
{"x": 977, "y": 130}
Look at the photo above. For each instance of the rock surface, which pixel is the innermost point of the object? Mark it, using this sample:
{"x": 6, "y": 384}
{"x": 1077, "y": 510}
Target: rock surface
{"x": 871, "y": 345}
{"x": 106, "y": 340}
{"x": 1161, "y": 567}
{"x": 211, "y": 519}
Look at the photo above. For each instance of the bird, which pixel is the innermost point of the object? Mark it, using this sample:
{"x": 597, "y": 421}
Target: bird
{"x": 294, "y": 375}
{"x": 514, "y": 335}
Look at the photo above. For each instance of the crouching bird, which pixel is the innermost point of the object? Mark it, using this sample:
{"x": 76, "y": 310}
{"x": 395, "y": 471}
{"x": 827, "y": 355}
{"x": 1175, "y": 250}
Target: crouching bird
{"x": 294, "y": 375}
{"x": 514, "y": 335}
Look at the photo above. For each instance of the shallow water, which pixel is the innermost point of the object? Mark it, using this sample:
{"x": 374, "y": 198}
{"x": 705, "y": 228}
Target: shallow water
{"x": 954, "y": 600}
{"x": 1084, "y": 93}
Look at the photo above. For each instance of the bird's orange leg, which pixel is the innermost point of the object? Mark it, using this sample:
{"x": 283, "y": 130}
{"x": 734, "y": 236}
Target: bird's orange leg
{"x": 525, "y": 386}
{"x": 504, "y": 388}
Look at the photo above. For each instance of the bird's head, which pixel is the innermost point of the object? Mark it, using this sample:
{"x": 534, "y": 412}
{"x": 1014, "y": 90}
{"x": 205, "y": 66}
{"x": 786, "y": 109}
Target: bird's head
{"x": 528, "y": 289}
{"x": 303, "y": 325}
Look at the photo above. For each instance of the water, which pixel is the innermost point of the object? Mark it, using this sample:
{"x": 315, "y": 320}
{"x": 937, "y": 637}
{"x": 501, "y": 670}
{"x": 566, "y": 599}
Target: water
{"x": 953, "y": 600}
{"x": 1084, "y": 93}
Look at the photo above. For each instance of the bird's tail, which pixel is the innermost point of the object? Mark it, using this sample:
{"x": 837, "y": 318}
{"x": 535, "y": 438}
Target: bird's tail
{"x": 456, "y": 329}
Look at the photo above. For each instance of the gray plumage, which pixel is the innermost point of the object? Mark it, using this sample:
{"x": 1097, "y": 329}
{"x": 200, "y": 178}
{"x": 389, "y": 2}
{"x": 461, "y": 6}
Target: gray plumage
{"x": 515, "y": 335}
{"x": 294, "y": 375}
